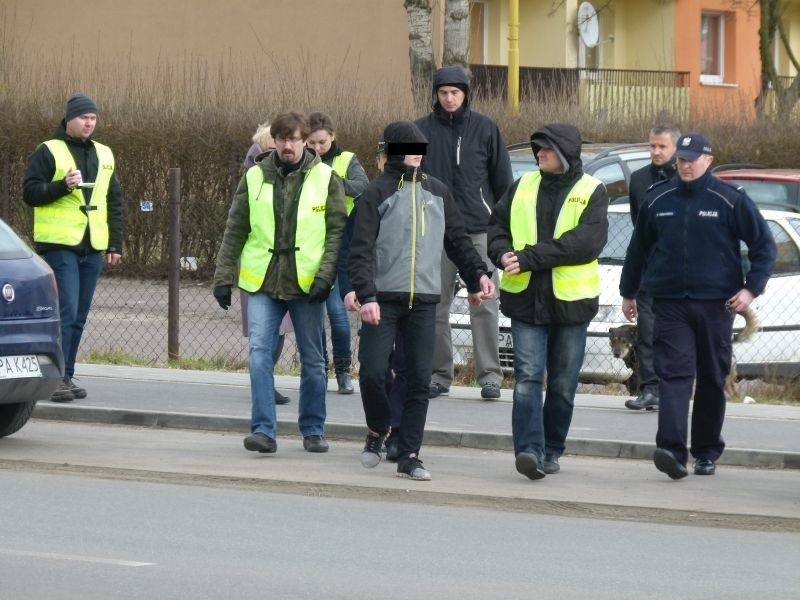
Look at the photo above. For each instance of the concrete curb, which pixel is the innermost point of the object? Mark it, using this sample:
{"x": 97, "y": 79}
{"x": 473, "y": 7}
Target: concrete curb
{"x": 435, "y": 437}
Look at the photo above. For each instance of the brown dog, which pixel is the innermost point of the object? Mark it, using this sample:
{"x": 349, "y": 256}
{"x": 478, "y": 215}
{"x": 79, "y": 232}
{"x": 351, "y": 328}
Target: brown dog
{"x": 623, "y": 345}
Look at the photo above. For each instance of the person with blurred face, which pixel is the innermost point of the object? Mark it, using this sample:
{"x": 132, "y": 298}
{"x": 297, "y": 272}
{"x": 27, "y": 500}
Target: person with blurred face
{"x": 262, "y": 142}
{"x": 685, "y": 251}
{"x": 405, "y": 218}
{"x": 77, "y": 216}
{"x": 322, "y": 140}
{"x": 284, "y": 229}
{"x": 467, "y": 153}
{"x": 663, "y": 140}
{"x": 546, "y": 234}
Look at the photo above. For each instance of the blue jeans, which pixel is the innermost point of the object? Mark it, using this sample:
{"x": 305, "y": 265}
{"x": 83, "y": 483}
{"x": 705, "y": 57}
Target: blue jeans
{"x": 264, "y": 315}
{"x": 76, "y": 278}
{"x": 340, "y": 327}
{"x": 542, "y": 429}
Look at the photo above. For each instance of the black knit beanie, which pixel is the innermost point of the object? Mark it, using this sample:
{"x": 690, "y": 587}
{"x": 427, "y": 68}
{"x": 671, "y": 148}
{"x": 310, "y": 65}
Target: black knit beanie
{"x": 79, "y": 104}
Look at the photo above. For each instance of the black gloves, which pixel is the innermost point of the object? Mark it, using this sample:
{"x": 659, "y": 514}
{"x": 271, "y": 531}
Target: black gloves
{"x": 320, "y": 290}
{"x": 223, "y": 295}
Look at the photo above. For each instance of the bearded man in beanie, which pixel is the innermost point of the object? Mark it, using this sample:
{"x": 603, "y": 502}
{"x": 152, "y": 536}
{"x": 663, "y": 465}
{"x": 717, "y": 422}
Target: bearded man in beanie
{"x": 77, "y": 218}
{"x": 405, "y": 220}
{"x": 467, "y": 153}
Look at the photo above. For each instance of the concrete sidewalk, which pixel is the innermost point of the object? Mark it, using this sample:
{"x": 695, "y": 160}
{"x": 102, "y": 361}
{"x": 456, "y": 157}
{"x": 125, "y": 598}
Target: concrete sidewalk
{"x": 757, "y": 435}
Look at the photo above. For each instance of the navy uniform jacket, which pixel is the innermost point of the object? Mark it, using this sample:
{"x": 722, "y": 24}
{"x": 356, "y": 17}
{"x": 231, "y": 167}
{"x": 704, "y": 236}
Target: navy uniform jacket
{"x": 688, "y": 234}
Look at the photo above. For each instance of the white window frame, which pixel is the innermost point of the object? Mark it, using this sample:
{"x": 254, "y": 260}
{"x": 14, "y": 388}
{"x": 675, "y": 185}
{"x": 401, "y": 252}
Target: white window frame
{"x": 714, "y": 77}
{"x": 485, "y": 34}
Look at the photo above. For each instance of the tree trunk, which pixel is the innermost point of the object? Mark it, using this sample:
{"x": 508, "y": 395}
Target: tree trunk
{"x": 456, "y": 33}
{"x": 420, "y": 52}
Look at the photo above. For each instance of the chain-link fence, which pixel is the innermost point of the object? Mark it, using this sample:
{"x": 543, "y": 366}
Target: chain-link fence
{"x": 130, "y": 317}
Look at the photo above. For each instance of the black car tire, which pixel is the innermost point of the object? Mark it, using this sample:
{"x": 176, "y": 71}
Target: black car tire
{"x": 14, "y": 416}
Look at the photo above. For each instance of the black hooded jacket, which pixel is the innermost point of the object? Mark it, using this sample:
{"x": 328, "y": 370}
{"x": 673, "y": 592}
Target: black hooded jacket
{"x": 466, "y": 152}
{"x": 39, "y": 189}
{"x": 537, "y": 305}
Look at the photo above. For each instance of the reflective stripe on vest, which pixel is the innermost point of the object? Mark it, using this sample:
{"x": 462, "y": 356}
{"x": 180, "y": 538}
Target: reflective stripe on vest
{"x": 310, "y": 232}
{"x": 64, "y": 221}
{"x": 574, "y": 282}
{"x": 340, "y": 165}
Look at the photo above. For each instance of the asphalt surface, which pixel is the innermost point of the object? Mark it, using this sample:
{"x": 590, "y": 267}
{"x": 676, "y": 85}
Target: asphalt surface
{"x": 186, "y": 427}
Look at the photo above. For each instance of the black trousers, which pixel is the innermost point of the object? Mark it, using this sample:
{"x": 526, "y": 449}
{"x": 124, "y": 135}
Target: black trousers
{"x": 648, "y": 380}
{"x": 417, "y": 326}
{"x": 692, "y": 337}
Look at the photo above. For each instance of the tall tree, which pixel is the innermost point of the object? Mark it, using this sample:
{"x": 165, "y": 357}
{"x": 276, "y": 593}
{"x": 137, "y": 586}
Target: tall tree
{"x": 456, "y": 33}
{"x": 786, "y": 96}
{"x": 420, "y": 52}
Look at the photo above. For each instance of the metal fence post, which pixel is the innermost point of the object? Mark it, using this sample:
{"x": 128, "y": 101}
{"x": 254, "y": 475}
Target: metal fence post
{"x": 174, "y": 269}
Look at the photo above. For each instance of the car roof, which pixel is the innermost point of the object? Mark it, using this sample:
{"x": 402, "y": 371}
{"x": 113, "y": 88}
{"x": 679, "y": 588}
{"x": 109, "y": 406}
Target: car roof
{"x": 786, "y": 175}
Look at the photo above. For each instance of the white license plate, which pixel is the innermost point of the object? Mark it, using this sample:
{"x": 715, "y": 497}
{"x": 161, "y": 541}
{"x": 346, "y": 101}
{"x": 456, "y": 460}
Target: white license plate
{"x": 15, "y": 367}
{"x": 505, "y": 340}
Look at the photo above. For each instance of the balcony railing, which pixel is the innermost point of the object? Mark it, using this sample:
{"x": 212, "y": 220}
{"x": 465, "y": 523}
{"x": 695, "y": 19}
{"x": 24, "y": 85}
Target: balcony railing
{"x": 605, "y": 92}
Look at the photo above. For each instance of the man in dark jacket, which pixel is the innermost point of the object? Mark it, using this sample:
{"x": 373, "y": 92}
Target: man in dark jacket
{"x": 77, "y": 215}
{"x": 467, "y": 153}
{"x": 404, "y": 220}
{"x": 689, "y": 230}
{"x": 663, "y": 139}
{"x": 546, "y": 235}
{"x": 284, "y": 229}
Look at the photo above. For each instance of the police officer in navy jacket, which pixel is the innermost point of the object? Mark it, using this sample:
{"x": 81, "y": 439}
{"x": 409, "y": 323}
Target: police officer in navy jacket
{"x": 687, "y": 238}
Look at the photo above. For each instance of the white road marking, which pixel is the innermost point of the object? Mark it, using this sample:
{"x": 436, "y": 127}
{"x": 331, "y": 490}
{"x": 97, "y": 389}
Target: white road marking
{"x": 75, "y": 557}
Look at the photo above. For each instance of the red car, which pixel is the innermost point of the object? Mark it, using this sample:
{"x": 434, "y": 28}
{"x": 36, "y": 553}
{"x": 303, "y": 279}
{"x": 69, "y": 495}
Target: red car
{"x": 776, "y": 189}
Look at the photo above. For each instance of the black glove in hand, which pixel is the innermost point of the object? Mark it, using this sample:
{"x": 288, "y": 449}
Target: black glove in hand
{"x": 223, "y": 295}
{"x": 320, "y": 290}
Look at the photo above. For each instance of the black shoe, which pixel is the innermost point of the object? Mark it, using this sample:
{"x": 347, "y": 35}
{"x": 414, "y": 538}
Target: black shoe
{"x": 645, "y": 400}
{"x": 392, "y": 449}
{"x": 62, "y": 393}
{"x": 77, "y": 392}
{"x": 437, "y": 389}
{"x": 345, "y": 383}
{"x": 666, "y": 462}
{"x": 281, "y": 399}
{"x": 550, "y": 464}
{"x": 412, "y": 468}
{"x": 260, "y": 442}
{"x": 315, "y": 443}
{"x": 490, "y": 391}
{"x": 704, "y": 466}
{"x": 528, "y": 465}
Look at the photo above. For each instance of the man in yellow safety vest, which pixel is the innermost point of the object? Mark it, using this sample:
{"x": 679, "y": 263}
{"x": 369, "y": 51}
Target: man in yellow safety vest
{"x": 284, "y": 228}
{"x": 546, "y": 235}
{"x": 77, "y": 216}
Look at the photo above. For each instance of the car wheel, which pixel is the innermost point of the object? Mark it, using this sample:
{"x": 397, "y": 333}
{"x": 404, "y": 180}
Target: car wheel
{"x": 14, "y": 416}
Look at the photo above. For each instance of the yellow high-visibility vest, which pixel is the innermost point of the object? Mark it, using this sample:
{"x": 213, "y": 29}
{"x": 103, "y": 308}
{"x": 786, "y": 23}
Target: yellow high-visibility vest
{"x": 573, "y": 282}
{"x": 340, "y": 165}
{"x": 64, "y": 221}
{"x": 310, "y": 233}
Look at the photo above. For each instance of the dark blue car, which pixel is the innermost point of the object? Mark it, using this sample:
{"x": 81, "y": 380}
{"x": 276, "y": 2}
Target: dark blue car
{"x": 31, "y": 361}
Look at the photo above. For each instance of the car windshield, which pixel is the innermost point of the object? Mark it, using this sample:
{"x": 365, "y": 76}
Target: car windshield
{"x": 11, "y": 247}
{"x": 620, "y": 230}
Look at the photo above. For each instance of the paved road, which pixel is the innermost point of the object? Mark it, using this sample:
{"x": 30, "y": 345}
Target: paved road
{"x": 129, "y": 540}
{"x": 756, "y": 434}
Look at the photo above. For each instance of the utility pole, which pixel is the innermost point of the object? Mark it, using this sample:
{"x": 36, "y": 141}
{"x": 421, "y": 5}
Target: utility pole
{"x": 513, "y": 57}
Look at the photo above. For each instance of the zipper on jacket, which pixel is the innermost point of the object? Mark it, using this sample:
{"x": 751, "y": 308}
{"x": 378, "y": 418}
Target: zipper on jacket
{"x": 488, "y": 208}
{"x": 458, "y": 152}
{"x": 413, "y": 236}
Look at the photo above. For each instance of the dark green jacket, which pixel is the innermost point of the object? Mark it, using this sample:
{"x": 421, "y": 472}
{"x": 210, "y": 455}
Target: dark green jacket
{"x": 281, "y": 278}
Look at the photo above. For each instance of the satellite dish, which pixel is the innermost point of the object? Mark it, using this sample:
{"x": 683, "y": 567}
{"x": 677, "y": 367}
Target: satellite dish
{"x": 588, "y": 25}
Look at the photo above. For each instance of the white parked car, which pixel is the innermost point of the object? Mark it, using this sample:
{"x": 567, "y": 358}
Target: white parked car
{"x": 774, "y": 351}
